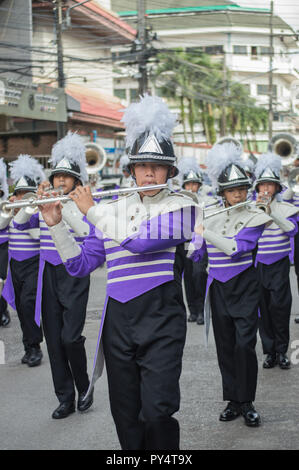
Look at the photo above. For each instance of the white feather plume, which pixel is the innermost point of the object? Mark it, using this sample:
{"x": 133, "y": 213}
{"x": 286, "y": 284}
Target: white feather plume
{"x": 220, "y": 157}
{"x": 187, "y": 164}
{"x": 268, "y": 160}
{"x": 249, "y": 164}
{"x": 25, "y": 165}
{"x": 150, "y": 116}
{"x": 123, "y": 161}
{"x": 71, "y": 147}
{"x": 3, "y": 179}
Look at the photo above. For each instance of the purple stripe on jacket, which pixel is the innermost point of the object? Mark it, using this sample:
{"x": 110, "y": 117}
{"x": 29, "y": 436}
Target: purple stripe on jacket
{"x": 4, "y": 236}
{"x": 127, "y": 283}
{"x": 246, "y": 241}
{"x": 279, "y": 248}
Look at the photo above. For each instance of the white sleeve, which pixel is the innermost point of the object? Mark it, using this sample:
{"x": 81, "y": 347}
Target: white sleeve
{"x": 64, "y": 241}
{"x": 4, "y": 220}
{"x": 22, "y": 217}
{"x": 227, "y": 245}
{"x": 285, "y": 224}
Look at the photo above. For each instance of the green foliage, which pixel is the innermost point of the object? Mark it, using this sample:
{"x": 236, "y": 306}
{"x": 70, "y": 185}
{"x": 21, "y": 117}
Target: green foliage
{"x": 195, "y": 83}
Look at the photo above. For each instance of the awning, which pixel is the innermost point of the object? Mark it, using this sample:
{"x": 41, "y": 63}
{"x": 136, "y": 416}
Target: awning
{"x": 93, "y": 106}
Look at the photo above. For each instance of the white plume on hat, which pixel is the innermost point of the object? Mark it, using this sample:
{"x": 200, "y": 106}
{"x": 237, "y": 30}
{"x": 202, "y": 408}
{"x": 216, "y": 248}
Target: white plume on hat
{"x": 268, "y": 160}
{"x": 249, "y": 165}
{"x": 187, "y": 164}
{"x": 71, "y": 147}
{"x": 124, "y": 161}
{"x": 25, "y": 165}
{"x": 150, "y": 115}
{"x": 3, "y": 179}
{"x": 220, "y": 157}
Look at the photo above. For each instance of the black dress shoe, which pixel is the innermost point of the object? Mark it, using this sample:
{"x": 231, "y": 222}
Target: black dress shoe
{"x": 5, "y": 319}
{"x": 296, "y": 320}
{"x": 35, "y": 356}
{"x": 192, "y": 318}
{"x": 283, "y": 361}
{"x": 83, "y": 405}
{"x": 64, "y": 410}
{"x": 25, "y": 358}
{"x": 231, "y": 412}
{"x": 270, "y": 361}
{"x": 200, "y": 319}
{"x": 251, "y": 416}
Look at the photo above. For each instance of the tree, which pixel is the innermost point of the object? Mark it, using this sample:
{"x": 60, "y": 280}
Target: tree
{"x": 195, "y": 84}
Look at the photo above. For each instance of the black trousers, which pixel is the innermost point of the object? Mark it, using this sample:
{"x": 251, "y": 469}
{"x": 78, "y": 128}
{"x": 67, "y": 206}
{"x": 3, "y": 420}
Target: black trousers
{"x": 235, "y": 321}
{"x": 143, "y": 343}
{"x": 64, "y": 302}
{"x": 24, "y": 278}
{"x": 275, "y": 306}
{"x": 195, "y": 281}
{"x": 296, "y": 256}
{"x": 3, "y": 272}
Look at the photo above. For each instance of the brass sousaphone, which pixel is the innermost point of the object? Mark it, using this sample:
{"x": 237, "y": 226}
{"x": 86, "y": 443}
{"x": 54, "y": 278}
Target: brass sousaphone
{"x": 96, "y": 160}
{"x": 286, "y": 146}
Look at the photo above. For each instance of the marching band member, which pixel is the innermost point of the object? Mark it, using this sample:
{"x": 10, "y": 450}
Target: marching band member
{"x": 23, "y": 251}
{"x": 126, "y": 180}
{"x": 61, "y": 298}
{"x": 195, "y": 274}
{"x": 229, "y": 239}
{"x": 4, "y": 234}
{"x": 273, "y": 263}
{"x": 249, "y": 167}
{"x": 143, "y": 327}
{"x": 293, "y": 198}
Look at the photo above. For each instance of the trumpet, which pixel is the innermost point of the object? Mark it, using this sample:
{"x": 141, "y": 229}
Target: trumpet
{"x": 33, "y": 201}
{"x": 264, "y": 206}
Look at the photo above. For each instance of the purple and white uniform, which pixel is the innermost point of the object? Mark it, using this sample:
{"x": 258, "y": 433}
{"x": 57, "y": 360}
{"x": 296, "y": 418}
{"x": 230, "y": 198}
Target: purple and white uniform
{"x": 229, "y": 239}
{"x": 292, "y": 198}
{"x": 138, "y": 240}
{"x": 276, "y": 241}
{"x": 275, "y": 250}
{"x": 22, "y": 245}
{"x": 48, "y": 252}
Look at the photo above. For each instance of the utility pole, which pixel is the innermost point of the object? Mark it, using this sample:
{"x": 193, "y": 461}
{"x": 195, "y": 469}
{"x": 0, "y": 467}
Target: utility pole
{"x": 141, "y": 50}
{"x": 225, "y": 90}
{"x": 61, "y": 126}
{"x": 270, "y": 121}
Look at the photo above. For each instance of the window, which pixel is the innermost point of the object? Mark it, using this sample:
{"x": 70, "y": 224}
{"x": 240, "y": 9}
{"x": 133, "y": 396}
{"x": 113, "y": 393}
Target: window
{"x": 265, "y": 51}
{"x": 241, "y": 50}
{"x": 133, "y": 94}
{"x": 120, "y": 93}
{"x": 213, "y": 50}
{"x": 254, "y": 52}
{"x": 264, "y": 90}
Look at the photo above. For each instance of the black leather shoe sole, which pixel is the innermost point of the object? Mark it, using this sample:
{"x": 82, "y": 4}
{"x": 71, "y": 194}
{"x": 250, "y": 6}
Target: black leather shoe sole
{"x": 85, "y": 405}
{"x": 252, "y": 423}
{"x": 24, "y": 359}
{"x": 192, "y": 319}
{"x": 5, "y": 320}
{"x": 34, "y": 362}
{"x": 63, "y": 411}
{"x": 269, "y": 363}
{"x": 284, "y": 366}
{"x": 229, "y": 414}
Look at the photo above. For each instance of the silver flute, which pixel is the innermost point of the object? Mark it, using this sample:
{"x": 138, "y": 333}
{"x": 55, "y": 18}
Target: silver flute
{"x": 34, "y": 201}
